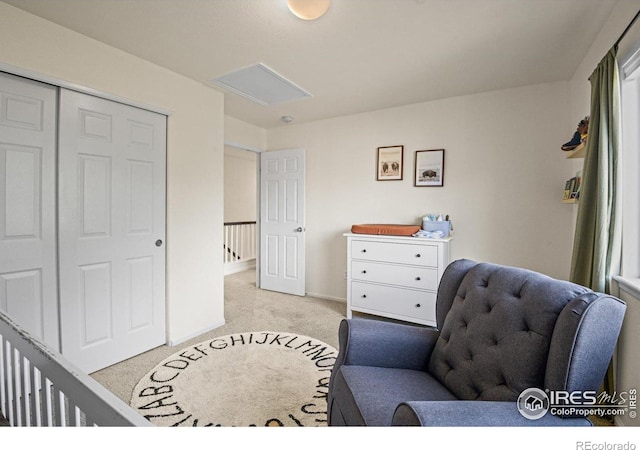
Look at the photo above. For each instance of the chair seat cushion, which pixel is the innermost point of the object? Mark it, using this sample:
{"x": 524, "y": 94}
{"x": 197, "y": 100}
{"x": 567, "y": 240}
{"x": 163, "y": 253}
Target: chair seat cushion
{"x": 369, "y": 395}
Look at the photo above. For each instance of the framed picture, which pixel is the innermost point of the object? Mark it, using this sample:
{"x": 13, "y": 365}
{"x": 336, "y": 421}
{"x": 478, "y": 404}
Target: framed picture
{"x": 429, "y": 168}
{"x": 390, "y": 163}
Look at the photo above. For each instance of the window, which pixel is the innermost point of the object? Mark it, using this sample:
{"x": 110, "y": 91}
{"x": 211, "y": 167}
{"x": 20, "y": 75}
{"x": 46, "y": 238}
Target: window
{"x": 630, "y": 163}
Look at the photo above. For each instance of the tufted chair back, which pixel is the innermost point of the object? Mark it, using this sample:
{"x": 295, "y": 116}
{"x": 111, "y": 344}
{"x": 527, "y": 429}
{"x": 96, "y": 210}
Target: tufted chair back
{"x": 506, "y": 329}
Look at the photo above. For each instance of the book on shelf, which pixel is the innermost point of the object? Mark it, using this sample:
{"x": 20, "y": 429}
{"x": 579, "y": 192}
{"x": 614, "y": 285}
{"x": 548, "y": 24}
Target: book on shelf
{"x": 572, "y": 188}
{"x": 569, "y": 188}
{"x": 575, "y": 193}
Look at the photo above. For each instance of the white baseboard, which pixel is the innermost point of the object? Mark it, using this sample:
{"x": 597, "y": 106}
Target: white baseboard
{"x": 327, "y": 297}
{"x": 240, "y": 266}
{"x": 174, "y": 342}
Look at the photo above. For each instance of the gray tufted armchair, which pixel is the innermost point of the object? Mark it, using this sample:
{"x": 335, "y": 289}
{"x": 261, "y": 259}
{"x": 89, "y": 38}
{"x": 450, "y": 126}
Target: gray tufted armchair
{"x": 500, "y": 331}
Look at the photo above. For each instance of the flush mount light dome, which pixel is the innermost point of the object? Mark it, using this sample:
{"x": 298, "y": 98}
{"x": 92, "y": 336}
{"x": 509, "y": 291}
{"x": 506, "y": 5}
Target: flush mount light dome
{"x": 308, "y": 9}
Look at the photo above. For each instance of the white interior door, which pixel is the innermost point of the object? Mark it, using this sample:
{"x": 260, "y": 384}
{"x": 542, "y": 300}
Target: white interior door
{"x": 112, "y": 185}
{"x": 28, "y": 277}
{"x": 282, "y": 229}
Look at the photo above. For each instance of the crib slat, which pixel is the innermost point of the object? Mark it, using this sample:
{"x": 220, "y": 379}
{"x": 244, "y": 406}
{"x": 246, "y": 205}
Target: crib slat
{"x": 39, "y": 387}
{"x": 15, "y": 386}
{"x": 4, "y": 379}
{"x": 35, "y": 396}
{"x": 27, "y": 405}
{"x": 49, "y": 404}
{"x": 73, "y": 418}
{"x": 58, "y": 407}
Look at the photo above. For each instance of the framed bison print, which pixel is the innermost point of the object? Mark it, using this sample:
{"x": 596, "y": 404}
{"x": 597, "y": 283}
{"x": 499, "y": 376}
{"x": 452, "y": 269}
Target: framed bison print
{"x": 390, "y": 163}
{"x": 429, "y": 168}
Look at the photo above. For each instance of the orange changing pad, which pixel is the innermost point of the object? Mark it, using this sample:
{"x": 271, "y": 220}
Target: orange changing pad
{"x": 389, "y": 229}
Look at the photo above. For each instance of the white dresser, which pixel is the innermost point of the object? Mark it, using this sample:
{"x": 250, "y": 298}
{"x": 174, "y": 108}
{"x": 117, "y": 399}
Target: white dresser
{"x": 395, "y": 276}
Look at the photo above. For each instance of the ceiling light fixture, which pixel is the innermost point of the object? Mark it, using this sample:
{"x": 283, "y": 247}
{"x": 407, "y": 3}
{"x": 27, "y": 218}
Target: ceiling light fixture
{"x": 308, "y": 9}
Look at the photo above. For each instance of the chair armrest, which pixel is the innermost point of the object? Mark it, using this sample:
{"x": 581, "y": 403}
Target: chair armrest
{"x": 365, "y": 342}
{"x": 474, "y": 413}
{"x": 377, "y": 343}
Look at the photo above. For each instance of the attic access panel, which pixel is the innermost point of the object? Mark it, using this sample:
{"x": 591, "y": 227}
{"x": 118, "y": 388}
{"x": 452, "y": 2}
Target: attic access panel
{"x": 262, "y": 85}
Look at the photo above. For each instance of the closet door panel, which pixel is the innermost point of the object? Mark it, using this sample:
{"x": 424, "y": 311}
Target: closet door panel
{"x": 112, "y": 230}
{"x": 28, "y": 278}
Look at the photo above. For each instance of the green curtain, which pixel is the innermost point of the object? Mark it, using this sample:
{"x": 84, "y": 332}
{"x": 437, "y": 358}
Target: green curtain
{"x": 597, "y": 243}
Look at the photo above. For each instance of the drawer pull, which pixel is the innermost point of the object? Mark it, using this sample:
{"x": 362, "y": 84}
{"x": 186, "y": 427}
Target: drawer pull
{"x": 417, "y": 305}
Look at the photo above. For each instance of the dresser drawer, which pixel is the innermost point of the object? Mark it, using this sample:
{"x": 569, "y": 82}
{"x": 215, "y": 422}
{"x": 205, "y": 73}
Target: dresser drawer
{"x": 416, "y": 254}
{"x": 417, "y": 277}
{"x": 398, "y": 301}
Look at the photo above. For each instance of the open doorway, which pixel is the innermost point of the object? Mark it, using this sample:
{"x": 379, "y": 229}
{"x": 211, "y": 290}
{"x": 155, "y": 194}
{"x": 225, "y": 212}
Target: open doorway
{"x": 263, "y": 191}
{"x": 240, "y": 210}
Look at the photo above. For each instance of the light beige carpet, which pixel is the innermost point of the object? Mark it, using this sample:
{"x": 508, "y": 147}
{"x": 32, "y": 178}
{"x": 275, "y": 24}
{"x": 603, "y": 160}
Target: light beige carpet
{"x": 260, "y": 378}
{"x": 246, "y": 308}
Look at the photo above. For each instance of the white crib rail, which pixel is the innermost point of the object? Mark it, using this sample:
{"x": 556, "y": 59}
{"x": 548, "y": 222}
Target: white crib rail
{"x": 38, "y": 387}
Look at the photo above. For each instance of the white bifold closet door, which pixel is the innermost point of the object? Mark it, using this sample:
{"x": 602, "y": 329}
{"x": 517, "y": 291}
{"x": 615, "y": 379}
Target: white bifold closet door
{"x": 28, "y": 277}
{"x": 82, "y": 221}
{"x": 112, "y": 160}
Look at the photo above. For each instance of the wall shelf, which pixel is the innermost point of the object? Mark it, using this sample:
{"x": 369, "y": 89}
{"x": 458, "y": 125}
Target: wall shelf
{"x": 577, "y": 152}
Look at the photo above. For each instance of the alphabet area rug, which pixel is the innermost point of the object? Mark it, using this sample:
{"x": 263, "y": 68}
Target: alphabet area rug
{"x": 262, "y": 378}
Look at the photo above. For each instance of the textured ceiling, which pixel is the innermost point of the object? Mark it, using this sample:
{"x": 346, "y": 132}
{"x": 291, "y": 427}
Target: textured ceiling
{"x": 362, "y": 55}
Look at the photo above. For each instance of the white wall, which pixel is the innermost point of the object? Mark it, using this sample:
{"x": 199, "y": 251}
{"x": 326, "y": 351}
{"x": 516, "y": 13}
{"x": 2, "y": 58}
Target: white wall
{"x": 241, "y": 134}
{"x": 194, "y": 152}
{"x": 240, "y": 174}
{"x": 243, "y": 142}
{"x": 503, "y": 181}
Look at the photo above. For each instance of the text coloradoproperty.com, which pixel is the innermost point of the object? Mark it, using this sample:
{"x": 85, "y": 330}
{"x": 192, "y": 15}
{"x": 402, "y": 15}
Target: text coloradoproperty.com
{"x": 575, "y": 411}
